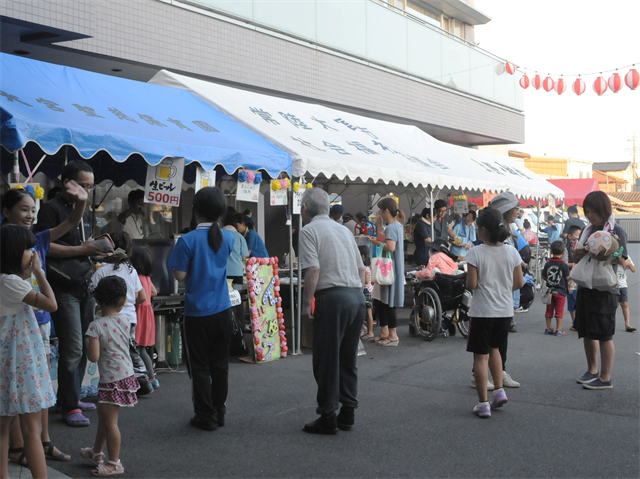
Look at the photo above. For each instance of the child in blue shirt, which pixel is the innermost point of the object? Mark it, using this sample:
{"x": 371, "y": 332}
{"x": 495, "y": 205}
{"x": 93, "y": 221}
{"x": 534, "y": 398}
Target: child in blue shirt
{"x": 200, "y": 257}
{"x": 553, "y": 232}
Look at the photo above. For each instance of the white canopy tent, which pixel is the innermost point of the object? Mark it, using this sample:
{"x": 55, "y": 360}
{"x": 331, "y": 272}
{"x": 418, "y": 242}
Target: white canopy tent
{"x": 361, "y": 150}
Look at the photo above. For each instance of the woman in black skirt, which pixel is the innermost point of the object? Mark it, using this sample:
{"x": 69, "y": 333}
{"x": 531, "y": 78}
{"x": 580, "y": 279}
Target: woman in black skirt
{"x": 596, "y": 310}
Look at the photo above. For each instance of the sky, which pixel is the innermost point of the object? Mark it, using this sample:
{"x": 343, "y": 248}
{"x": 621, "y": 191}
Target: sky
{"x": 571, "y": 36}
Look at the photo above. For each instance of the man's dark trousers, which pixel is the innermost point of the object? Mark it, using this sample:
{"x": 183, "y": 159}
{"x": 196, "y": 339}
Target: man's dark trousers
{"x": 338, "y": 318}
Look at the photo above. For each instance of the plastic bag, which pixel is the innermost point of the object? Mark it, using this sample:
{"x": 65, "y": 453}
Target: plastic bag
{"x": 593, "y": 274}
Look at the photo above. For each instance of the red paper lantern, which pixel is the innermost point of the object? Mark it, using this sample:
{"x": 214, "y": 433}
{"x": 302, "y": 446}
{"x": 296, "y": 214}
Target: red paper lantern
{"x": 510, "y": 67}
{"x": 615, "y": 83}
{"x": 561, "y": 86}
{"x": 537, "y": 82}
{"x": 632, "y": 79}
{"x": 524, "y": 82}
{"x": 579, "y": 86}
{"x": 547, "y": 84}
{"x": 600, "y": 86}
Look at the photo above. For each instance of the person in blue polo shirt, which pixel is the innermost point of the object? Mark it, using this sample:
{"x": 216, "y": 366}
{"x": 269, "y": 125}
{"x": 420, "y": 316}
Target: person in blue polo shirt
{"x": 256, "y": 246}
{"x": 553, "y": 230}
{"x": 201, "y": 258}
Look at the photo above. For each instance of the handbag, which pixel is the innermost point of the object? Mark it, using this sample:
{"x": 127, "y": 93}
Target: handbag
{"x": 593, "y": 274}
{"x": 382, "y": 269}
{"x": 547, "y": 297}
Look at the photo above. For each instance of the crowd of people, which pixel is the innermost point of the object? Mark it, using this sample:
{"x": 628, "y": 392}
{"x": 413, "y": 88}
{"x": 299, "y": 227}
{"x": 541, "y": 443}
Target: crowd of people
{"x": 51, "y": 271}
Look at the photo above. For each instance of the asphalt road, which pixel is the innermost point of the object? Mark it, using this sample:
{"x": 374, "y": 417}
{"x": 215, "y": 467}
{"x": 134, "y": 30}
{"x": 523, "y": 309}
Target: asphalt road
{"x": 414, "y": 418}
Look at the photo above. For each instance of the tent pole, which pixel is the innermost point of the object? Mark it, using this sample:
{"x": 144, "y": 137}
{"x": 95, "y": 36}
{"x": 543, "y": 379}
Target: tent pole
{"x": 291, "y": 286}
{"x": 16, "y": 167}
{"x": 433, "y": 231}
{"x": 562, "y": 214}
{"x": 299, "y": 315}
{"x": 538, "y": 277}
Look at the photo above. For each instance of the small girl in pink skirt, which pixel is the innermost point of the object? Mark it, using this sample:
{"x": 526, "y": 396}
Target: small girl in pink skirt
{"x": 108, "y": 345}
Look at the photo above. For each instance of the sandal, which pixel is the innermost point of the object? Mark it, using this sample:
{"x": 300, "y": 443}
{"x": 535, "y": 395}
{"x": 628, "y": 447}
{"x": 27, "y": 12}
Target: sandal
{"x": 49, "y": 450}
{"x": 366, "y": 337}
{"x": 388, "y": 342}
{"x": 103, "y": 470}
{"x": 22, "y": 460}
{"x": 378, "y": 339}
{"x": 91, "y": 457}
{"x": 75, "y": 419}
{"x": 631, "y": 329}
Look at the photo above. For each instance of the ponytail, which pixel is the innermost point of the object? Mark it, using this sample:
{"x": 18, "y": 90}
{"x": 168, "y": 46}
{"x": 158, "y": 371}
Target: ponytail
{"x": 214, "y": 237}
{"x": 491, "y": 220}
{"x": 210, "y": 204}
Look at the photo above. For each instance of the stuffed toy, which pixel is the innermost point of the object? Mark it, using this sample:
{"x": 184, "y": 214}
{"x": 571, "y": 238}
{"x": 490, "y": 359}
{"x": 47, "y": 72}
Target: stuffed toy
{"x": 602, "y": 246}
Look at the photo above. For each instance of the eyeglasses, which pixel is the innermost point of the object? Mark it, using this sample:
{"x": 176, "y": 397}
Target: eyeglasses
{"x": 87, "y": 187}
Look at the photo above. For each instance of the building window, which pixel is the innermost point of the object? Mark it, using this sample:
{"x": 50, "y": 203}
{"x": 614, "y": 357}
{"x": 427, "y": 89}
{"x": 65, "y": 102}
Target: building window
{"x": 415, "y": 6}
{"x": 453, "y": 26}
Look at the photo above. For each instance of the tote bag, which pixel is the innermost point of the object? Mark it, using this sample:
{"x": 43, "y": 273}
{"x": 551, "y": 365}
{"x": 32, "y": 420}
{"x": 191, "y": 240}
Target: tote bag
{"x": 593, "y": 274}
{"x": 547, "y": 296}
{"x": 382, "y": 269}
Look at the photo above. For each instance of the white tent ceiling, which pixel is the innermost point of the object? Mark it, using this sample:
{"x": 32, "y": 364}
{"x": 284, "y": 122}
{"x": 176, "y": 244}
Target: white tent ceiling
{"x": 361, "y": 151}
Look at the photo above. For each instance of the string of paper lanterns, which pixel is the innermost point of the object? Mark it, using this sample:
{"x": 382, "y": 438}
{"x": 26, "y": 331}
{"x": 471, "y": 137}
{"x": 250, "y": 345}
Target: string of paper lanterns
{"x": 600, "y": 85}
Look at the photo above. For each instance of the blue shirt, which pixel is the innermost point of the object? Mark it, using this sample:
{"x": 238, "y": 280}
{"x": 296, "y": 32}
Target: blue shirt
{"x": 207, "y": 291}
{"x": 256, "y": 245}
{"x": 43, "y": 243}
{"x": 552, "y": 232}
{"x": 240, "y": 250}
{"x": 467, "y": 234}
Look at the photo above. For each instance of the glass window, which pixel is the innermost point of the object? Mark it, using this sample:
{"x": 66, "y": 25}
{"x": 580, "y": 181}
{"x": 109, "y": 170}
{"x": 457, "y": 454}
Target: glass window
{"x": 414, "y": 6}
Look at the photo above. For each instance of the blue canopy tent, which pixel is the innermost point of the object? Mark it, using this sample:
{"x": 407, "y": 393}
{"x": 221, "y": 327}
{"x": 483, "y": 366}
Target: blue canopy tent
{"x": 47, "y": 108}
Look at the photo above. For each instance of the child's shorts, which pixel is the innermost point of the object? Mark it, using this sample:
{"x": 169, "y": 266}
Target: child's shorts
{"x": 367, "y": 299}
{"x": 121, "y": 393}
{"x": 486, "y": 334}
{"x": 624, "y": 295}
{"x": 571, "y": 300}
{"x": 557, "y": 305}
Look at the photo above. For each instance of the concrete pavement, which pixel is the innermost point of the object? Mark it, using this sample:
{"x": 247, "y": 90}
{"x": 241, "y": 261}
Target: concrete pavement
{"x": 414, "y": 418}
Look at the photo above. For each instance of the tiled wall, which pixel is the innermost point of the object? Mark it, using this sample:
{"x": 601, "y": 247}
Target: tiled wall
{"x": 157, "y": 33}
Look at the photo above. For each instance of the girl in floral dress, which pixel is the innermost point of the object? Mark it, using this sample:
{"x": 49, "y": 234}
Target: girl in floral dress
{"x": 108, "y": 345}
{"x": 25, "y": 384}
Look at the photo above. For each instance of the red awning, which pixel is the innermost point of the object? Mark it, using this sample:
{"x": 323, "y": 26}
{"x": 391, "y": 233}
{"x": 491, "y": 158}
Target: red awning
{"x": 575, "y": 190}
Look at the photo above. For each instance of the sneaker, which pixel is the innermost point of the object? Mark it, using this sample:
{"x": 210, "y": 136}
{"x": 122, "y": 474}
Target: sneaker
{"x": 204, "y": 424}
{"x": 499, "y": 398}
{"x": 155, "y": 384}
{"x": 549, "y": 331}
{"x": 327, "y": 425}
{"x": 588, "y": 377}
{"x": 520, "y": 310}
{"x": 560, "y": 332}
{"x": 482, "y": 409}
{"x": 507, "y": 382}
{"x": 490, "y": 386}
{"x": 598, "y": 384}
{"x": 512, "y": 327}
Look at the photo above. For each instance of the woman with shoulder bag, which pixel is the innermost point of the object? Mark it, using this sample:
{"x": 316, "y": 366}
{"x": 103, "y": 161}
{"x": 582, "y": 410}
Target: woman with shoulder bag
{"x": 388, "y": 298}
{"x": 596, "y": 310}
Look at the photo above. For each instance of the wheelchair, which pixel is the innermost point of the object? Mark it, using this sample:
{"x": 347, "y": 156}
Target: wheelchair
{"x": 440, "y": 305}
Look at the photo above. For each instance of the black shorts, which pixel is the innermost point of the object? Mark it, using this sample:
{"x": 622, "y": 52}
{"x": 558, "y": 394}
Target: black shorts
{"x": 486, "y": 334}
{"x": 596, "y": 314}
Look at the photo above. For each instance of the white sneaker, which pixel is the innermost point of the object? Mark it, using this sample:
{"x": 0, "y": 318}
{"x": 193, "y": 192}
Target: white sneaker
{"x": 520, "y": 310}
{"x": 507, "y": 382}
{"x": 490, "y": 386}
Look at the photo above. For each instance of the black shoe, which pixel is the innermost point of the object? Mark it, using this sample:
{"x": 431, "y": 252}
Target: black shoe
{"x": 145, "y": 387}
{"x": 346, "y": 418}
{"x": 203, "y": 424}
{"x": 323, "y": 425}
{"x": 512, "y": 327}
{"x": 220, "y": 419}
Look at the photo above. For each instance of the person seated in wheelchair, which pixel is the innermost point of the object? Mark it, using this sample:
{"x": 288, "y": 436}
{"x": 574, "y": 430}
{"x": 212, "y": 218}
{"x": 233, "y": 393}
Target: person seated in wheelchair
{"x": 441, "y": 260}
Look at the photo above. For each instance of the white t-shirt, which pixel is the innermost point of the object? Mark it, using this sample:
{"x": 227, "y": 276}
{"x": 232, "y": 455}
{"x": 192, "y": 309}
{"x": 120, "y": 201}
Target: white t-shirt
{"x": 112, "y": 332}
{"x": 622, "y": 274}
{"x": 134, "y": 225}
{"x": 13, "y": 290}
{"x": 493, "y": 297}
{"x": 134, "y": 285}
